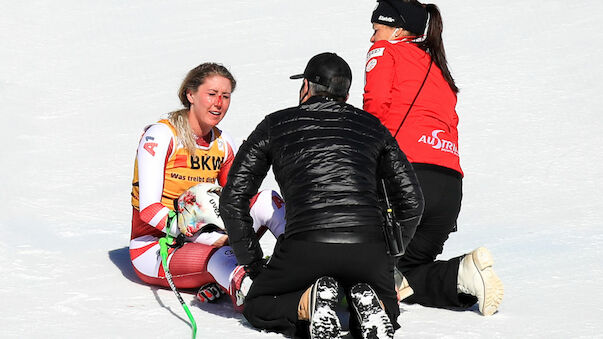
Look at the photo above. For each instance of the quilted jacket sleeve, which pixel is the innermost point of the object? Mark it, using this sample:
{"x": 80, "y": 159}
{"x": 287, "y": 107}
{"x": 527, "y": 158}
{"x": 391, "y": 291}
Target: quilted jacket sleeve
{"x": 248, "y": 170}
{"x": 403, "y": 188}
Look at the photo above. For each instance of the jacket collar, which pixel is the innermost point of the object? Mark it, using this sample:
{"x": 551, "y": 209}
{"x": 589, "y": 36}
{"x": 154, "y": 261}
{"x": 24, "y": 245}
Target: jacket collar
{"x": 320, "y": 103}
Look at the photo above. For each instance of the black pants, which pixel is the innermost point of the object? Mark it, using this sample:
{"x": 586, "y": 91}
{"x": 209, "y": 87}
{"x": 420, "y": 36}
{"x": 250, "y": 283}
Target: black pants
{"x": 272, "y": 302}
{"x": 434, "y": 282}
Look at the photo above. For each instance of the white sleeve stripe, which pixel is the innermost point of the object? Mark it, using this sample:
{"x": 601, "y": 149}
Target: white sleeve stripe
{"x": 160, "y": 215}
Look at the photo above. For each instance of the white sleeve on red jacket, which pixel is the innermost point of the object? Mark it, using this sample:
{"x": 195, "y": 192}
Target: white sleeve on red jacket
{"x": 155, "y": 147}
{"x": 379, "y": 77}
{"x": 231, "y": 151}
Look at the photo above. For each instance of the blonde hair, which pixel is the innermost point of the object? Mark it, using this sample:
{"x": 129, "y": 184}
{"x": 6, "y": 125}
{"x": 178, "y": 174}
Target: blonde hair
{"x": 195, "y": 78}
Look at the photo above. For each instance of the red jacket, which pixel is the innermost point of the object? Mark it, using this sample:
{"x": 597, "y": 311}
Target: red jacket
{"x": 394, "y": 73}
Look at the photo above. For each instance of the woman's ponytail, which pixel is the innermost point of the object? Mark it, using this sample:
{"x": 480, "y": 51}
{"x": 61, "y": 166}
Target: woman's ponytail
{"x": 434, "y": 44}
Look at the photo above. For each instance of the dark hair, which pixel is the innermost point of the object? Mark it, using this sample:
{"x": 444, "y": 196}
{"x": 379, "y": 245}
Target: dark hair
{"x": 338, "y": 88}
{"x": 433, "y": 43}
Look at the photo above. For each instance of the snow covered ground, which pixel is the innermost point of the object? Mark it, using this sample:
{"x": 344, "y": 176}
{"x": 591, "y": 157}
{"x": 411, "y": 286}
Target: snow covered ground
{"x": 80, "y": 79}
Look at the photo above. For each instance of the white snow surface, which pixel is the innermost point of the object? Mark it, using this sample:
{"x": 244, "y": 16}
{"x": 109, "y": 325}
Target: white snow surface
{"x": 80, "y": 79}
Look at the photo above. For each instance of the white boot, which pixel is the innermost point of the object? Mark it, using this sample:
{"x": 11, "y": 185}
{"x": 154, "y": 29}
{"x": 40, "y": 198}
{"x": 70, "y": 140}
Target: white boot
{"x": 476, "y": 277}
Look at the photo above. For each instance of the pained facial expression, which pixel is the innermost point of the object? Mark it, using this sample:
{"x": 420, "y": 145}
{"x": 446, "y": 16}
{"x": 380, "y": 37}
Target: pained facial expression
{"x": 209, "y": 102}
{"x": 382, "y": 32}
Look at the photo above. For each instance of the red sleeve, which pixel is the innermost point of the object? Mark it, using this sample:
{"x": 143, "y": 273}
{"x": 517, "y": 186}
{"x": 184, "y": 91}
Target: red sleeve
{"x": 379, "y": 80}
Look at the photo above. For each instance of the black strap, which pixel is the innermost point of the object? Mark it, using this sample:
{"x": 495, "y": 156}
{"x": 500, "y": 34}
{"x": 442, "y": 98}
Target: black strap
{"x": 416, "y": 96}
{"x": 395, "y": 245}
{"x": 178, "y": 241}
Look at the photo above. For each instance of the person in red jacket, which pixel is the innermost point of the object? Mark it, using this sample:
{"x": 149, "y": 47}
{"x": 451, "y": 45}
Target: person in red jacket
{"x": 410, "y": 89}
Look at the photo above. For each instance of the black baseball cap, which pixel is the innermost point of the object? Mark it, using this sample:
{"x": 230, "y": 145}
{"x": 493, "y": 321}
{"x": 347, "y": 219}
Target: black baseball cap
{"x": 323, "y": 67}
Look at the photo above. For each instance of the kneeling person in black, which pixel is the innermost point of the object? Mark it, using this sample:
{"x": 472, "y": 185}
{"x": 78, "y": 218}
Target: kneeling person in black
{"x": 328, "y": 158}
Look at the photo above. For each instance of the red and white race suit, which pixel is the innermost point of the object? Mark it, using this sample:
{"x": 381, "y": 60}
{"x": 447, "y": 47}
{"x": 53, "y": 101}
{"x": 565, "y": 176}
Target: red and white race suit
{"x": 163, "y": 170}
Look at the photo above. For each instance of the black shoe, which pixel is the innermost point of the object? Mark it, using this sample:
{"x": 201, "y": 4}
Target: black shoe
{"x": 374, "y": 322}
{"x": 324, "y": 323}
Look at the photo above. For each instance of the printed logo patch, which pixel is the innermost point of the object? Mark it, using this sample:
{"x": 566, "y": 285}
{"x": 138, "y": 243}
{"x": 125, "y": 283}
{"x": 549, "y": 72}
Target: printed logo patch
{"x": 150, "y": 147}
{"x": 386, "y": 18}
{"x": 440, "y": 144}
{"x": 277, "y": 201}
{"x": 370, "y": 65}
{"x": 377, "y": 52}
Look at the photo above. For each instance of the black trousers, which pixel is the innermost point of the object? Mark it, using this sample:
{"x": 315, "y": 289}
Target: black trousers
{"x": 272, "y": 301}
{"x": 434, "y": 282}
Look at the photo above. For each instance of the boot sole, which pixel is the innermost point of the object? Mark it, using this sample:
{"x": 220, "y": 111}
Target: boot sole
{"x": 374, "y": 322}
{"x": 324, "y": 323}
{"x": 493, "y": 286}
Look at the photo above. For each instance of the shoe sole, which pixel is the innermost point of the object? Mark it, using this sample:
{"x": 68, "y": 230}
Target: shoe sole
{"x": 493, "y": 286}
{"x": 324, "y": 322}
{"x": 374, "y": 322}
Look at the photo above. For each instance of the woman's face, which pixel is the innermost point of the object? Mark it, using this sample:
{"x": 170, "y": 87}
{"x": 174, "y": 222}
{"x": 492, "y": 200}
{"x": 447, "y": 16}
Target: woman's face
{"x": 381, "y": 32}
{"x": 209, "y": 103}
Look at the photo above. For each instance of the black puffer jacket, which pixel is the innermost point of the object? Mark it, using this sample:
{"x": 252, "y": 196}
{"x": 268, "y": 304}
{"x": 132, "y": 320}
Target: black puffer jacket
{"x": 327, "y": 158}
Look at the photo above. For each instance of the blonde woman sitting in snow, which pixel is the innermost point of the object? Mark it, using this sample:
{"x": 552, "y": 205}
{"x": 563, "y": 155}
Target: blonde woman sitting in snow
{"x": 173, "y": 156}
